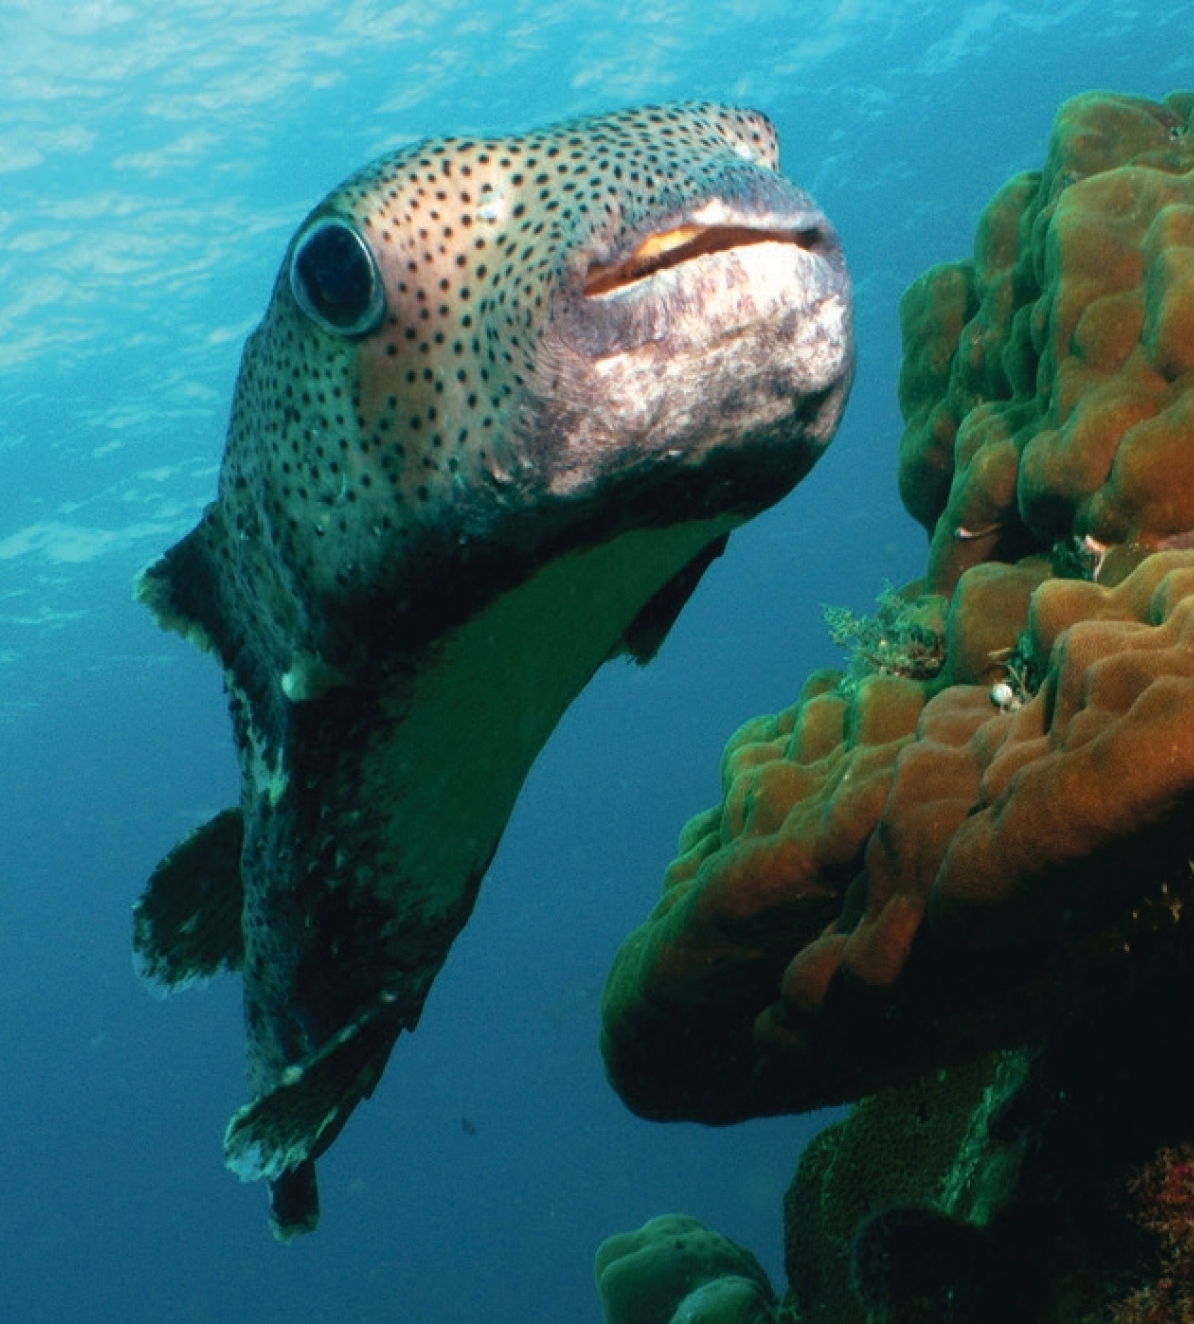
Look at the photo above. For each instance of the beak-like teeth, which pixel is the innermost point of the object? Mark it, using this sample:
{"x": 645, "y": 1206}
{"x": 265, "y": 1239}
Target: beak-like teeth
{"x": 671, "y": 247}
{"x": 657, "y": 245}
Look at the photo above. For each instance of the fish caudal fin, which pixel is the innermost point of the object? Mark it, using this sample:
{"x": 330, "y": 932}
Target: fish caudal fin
{"x": 294, "y": 1203}
{"x": 279, "y": 1135}
{"x": 187, "y": 924}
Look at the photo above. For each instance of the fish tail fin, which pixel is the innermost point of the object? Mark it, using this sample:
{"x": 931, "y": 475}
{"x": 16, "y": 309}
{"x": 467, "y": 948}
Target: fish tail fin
{"x": 294, "y": 1203}
{"x": 279, "y": 1135}
{"x": 187, "y": 924}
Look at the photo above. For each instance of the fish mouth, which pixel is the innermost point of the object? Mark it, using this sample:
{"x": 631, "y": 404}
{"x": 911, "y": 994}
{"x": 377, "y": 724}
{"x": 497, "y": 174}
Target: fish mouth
{"x": 672, "y": 247}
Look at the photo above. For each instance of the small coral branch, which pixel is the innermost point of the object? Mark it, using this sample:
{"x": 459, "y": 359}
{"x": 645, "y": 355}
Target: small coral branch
{"x": 905, "y": 636}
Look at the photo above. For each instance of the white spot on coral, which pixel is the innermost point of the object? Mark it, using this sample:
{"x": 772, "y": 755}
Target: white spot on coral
{"x": 1004, "y": 697}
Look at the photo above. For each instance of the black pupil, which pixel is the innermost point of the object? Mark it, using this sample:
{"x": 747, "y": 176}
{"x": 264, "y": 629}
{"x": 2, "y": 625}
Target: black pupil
{"x": 336, "y": 275}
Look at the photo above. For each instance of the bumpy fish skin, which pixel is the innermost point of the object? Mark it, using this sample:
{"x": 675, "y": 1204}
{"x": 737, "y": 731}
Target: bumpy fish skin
{"x": 508, "y": 400}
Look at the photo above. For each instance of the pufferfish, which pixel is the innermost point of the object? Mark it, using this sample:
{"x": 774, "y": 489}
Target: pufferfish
{"x": 508, "y": 400}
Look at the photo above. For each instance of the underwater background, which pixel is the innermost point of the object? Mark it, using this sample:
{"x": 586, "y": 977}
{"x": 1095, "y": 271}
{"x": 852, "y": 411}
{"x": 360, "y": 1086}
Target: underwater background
{"x": 154, "y": 159}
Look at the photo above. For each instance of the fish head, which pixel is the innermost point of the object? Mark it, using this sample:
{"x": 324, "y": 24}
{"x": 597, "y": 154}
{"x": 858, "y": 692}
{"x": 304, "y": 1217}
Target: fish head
{"x": 513, "y": 345}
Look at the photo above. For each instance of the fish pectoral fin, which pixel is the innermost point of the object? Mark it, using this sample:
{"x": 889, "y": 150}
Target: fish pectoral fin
{"x": 279, "y": 1134}
{"x": 187, "y": 924}
{"x": 178, "y": 588}
{"x": 645, "y": 634}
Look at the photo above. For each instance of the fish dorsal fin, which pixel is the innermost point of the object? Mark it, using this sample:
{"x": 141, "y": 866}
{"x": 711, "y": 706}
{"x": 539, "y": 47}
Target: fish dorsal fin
{"x": 187, "y": 924}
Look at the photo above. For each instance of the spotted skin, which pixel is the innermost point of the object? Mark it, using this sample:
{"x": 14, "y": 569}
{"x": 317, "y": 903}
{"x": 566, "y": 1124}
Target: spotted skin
{"x": 508, "y": 400}
{"x": 472, "y": 236}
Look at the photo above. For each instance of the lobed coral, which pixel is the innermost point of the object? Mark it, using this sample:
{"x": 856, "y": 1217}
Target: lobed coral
{"x": 919, "y": 873}
{"x": 1046, "y": 384}
{"x": 879, "y": 848}
{"x": 674, "y": 1270}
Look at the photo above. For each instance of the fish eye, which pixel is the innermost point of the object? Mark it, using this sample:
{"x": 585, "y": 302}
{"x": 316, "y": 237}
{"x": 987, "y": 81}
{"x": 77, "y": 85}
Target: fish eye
{"x": 335, "y": 280}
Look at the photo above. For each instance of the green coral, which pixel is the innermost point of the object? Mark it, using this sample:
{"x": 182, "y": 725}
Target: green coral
{"x": 934, "y": 1161}
{"x": 904, "y": 637}
{"x": 675, "y": 1270}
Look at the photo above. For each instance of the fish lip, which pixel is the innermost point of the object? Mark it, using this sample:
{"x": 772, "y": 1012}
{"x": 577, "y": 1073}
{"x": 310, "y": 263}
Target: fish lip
{"x": 705, "y": 227}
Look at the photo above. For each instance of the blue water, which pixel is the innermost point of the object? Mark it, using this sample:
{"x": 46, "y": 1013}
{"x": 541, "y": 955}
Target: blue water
{"x": 154, "y": 157}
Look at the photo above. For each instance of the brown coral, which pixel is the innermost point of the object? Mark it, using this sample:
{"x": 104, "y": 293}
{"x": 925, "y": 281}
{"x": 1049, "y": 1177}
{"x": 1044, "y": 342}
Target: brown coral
{"x": 916, "y": 878}
{"x": 1046, "y": 384}
{"x": 790, "y": 963}
{"x": 892, "y": 852}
